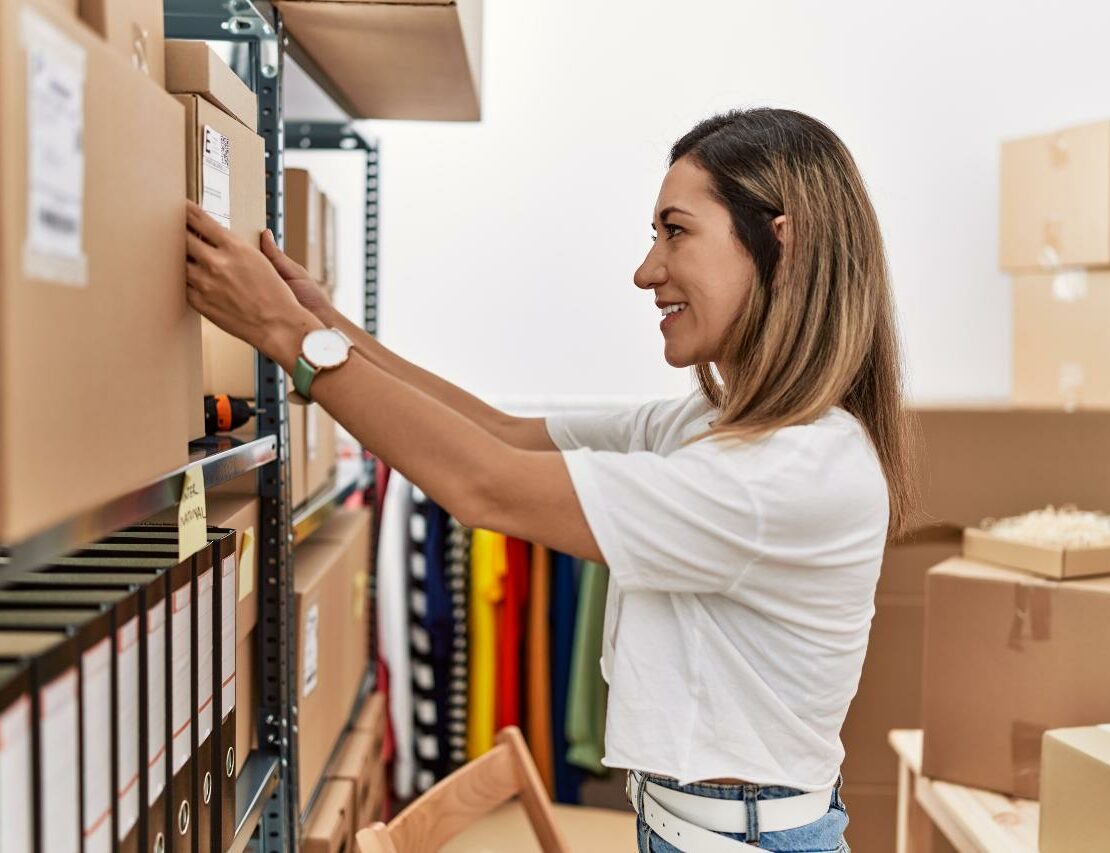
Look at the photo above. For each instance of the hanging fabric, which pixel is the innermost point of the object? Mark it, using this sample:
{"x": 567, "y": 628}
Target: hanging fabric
{"x": 563, "y": 612}
{"x": 587, "y": 693}
{"x": 458, "y": 581}
{"x": 487, "y": 576}
{"x": 510, "y": 632}
{"x": 538, "y": 668}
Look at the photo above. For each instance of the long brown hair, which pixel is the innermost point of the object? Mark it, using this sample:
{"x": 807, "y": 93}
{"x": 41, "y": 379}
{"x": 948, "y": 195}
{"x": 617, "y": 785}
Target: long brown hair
{"x": 818, "y": 329}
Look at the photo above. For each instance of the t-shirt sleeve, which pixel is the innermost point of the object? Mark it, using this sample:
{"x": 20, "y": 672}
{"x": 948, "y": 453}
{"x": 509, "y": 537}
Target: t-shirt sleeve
{"x": 677, "y": 523}
{"x": 613, "y": 431}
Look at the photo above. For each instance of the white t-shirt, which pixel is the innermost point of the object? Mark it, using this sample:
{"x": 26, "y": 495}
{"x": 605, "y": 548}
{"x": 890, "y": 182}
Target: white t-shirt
{"x": 742, "y": 585}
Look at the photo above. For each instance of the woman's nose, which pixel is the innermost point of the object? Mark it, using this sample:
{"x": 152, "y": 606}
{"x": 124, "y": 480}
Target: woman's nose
{"x": 651, "y": 273}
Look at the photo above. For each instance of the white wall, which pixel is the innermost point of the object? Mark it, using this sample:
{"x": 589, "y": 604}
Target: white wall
{"x": 508, "y": 246}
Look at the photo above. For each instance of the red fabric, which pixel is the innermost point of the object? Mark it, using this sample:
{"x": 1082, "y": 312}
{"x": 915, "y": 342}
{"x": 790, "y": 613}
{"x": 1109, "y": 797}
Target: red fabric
{"x": 510, "y": 633}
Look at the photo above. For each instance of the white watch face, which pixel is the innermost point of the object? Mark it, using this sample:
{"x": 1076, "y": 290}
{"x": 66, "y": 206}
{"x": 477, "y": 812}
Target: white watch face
{"x": 325, "y": 348}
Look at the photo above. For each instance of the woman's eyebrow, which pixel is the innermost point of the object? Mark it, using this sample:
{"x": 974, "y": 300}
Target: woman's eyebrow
{"x": 667, "y": 211}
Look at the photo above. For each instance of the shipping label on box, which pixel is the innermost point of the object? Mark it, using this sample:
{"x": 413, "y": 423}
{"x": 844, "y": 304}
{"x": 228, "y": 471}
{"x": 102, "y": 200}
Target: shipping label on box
{"x": 55, "y": 153}
{"x": 216, "y": 177}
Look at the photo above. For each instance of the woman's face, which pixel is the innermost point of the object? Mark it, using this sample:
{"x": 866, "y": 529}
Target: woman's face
{"x": 697, "y": 264}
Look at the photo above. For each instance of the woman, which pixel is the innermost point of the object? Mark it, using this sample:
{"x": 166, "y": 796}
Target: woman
{"x": 743, "y": 525}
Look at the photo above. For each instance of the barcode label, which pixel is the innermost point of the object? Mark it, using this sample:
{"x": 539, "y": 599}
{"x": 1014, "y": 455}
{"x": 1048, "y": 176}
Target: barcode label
{"x": 216, "y": 177}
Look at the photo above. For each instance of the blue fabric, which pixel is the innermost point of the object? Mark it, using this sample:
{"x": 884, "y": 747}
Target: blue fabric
{"x": 439, "y": 623}
{"x": 825, "y": 835}
{"x": 564, "y": 605}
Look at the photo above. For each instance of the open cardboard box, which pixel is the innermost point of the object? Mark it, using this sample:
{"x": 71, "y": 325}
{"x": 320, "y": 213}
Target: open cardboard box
{"x": 1052, "y": 562}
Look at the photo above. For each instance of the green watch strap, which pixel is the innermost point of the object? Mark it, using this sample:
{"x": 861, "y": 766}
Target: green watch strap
{"x": 303, "y": 374}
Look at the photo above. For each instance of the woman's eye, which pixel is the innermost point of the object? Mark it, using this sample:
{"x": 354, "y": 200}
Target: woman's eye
{"x": 672, "y": 230}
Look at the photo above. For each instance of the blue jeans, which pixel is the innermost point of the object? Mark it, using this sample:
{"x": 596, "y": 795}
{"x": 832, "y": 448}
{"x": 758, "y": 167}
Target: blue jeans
{"x": 824, "y": 835}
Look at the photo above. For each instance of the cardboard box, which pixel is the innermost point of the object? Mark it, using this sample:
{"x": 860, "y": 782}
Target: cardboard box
{"x": 240, "y": 196}
{"x": 298, "y": 466}
{"x": 1058, "y": 563}
{"x": 1055, "y": 199}
{"x": 1061, "y": 354}
{"x": 246, "y": 701}
{"x": 193, "y": 68}
{"x": 417, "y": 61}
{"x": 330, "y": 280}
{"x": 1075, "y": 790}
{"x": 872, "y": 817}
{"x": 327, "y": 643}
{"x": 1008, "y": 656}
{"x": 889, "y": 694}
{"x": 356, "y": 763}
{"x": 350, "y": 531}
{"x": 320, "y": 449}
{"x": 304, "y": 231}
{"x": 134, "y": 28}
{"x": 330, "y": 825}
{"x": 94, "y": 327}
{"x": 992, "y": 461}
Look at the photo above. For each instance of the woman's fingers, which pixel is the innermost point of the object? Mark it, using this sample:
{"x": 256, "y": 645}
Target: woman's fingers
{"x": 197, "y": 249}
{"x": 205, "y": 225}
{"x": 197, "y": 276}
{"x": 286, "y": 267}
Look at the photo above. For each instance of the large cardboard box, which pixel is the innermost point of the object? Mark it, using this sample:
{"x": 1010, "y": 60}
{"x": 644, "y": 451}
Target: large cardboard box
{"x": 1055, "y": 199}
{"x": 226, "y": 175}
{"x": 94, "y": 326}
{"x": 246, "y": 701}
{"x": 420, "y": 60}
{"x": 1061, "y": 353}
{"x": 304, "y": 226}
{"x": 330, "y": 217}
{"x": 1008, "y": 656}
{"x": 872, "y": 817}
{"x": 327, "y": 644}
{"x": 320, "y": 448}
{"x": 350, "y": 530}
{"x": 889, "y": 694}
{"x": 134, "y": 28}
{"x": 991, "y": 461}
{"x": 1075, "y": 790}
{"x": 298, "y": 466}
{"x": 357, "y": 764}
{"x": 330, "y": 825}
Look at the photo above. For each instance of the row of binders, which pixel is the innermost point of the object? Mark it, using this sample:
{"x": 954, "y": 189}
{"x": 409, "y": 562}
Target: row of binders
{"x": 117, "y": 699}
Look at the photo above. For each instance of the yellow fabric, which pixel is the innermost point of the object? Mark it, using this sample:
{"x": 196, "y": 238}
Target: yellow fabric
{"x": 487, "y": 575}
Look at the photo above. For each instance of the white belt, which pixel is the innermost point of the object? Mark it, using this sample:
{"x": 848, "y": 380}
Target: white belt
{"x": 691, "y": 822}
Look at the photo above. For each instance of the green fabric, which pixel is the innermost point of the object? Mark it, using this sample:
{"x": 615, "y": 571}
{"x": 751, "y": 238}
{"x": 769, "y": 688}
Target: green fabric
{"x": 588, "y": 691}
{"x": 303, "y": 374}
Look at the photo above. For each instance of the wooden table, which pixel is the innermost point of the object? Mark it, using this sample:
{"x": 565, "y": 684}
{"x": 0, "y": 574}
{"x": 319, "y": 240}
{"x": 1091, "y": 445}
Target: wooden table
{"x": 938, "y": 817}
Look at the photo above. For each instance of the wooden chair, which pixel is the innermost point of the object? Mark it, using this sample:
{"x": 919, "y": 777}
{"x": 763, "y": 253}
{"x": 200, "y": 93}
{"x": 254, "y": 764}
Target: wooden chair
{"x": 467, "y": 795}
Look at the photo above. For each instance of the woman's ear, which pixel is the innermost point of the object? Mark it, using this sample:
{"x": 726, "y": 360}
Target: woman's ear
{"x": 782, "y": 227}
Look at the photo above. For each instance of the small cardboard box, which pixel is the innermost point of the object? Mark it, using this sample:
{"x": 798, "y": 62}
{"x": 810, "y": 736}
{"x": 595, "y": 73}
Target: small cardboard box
{"x": 1061, "y": 353}
{"x": 327, "y": 641}
{"x": 134, "y": 28}
{"x": 226, "y": 174}
{"x": 356, "y": 763}
{"x": 304, "y": 227}
{"x": 419, "y": 61}
{"x": 1058, "y": 563}
{"x": 320, "y": 448}
{"x": 1055, "y": 200}
{"x": 94, "y": 326}
{"x": 351, "y": 530}
{"x": 1008, "y": 656}
{"x": 889, "y": 694}
{"x": 330, "y": 825}
{"x": 1075, "y": 790}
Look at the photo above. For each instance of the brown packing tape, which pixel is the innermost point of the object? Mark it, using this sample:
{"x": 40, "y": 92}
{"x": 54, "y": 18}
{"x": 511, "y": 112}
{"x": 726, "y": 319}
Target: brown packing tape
{"x": 1025, "y": 757}
{"x": 1032, "y": 619}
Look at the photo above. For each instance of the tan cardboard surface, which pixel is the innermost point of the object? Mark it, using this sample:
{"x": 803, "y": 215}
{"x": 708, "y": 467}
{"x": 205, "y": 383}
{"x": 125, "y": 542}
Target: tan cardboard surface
{"x": 320, "y": 448}
{"x": 872, "y": 817}
{"x": 356, "y": 763}
{"x": 330, "y": 826}
{"x": 228, "y": 362}
{"x": 304, "y": 239}
{"x": 1008, "y": 655}
{"x": 1059, "y": 563}
{"x": 322, "y": 593}
{"x": 134, "y": 28}
{"x": 192, "y": 67}
{"x": 115, "y": 349}
{"x": 1061, "y": 353}
{"x": 297, "y": 462}
{"x": 1055, "y": 199}
{"x": 507, "y": 830}
{"x": 418, "y": 61}
{"x": 1075, "y": 790}
{"x": 246, "y": 703}
{"x": 992, "y": 461}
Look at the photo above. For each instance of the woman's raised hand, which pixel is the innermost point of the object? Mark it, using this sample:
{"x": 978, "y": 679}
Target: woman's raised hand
{"x": 307, "y": 290}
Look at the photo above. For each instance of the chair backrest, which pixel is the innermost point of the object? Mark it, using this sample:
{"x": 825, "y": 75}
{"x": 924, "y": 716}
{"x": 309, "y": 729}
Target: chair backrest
{"x": 459, "y": 800}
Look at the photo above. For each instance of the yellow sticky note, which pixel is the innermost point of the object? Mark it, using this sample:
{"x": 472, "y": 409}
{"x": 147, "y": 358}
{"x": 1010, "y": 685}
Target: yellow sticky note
{"x": 359, "y": 602}
{"x": 246, "y": 564}
{"x": 192, "y": 514}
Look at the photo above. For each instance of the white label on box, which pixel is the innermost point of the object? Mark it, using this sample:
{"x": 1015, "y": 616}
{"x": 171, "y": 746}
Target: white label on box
{"x": 55, "y": 153}
{"x": 227, "y": 636}
{"x": 15, "y": 777}
{"x": 127, "y": 703}
{"x": 311, "y": 430}
{"x": 182, "y": 677}
{"x": 311, "y": 648}
{"x": 204, "y": 655}
{"x": 156, "y": 701}
{"x": 1070, "y": 285}
{"x": 61, "y": 786}
{"x": 96, "y": 723}
{"x": 216, "y": 177}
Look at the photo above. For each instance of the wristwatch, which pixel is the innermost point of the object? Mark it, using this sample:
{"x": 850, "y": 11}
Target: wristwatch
{"x": 321, "y": 349}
